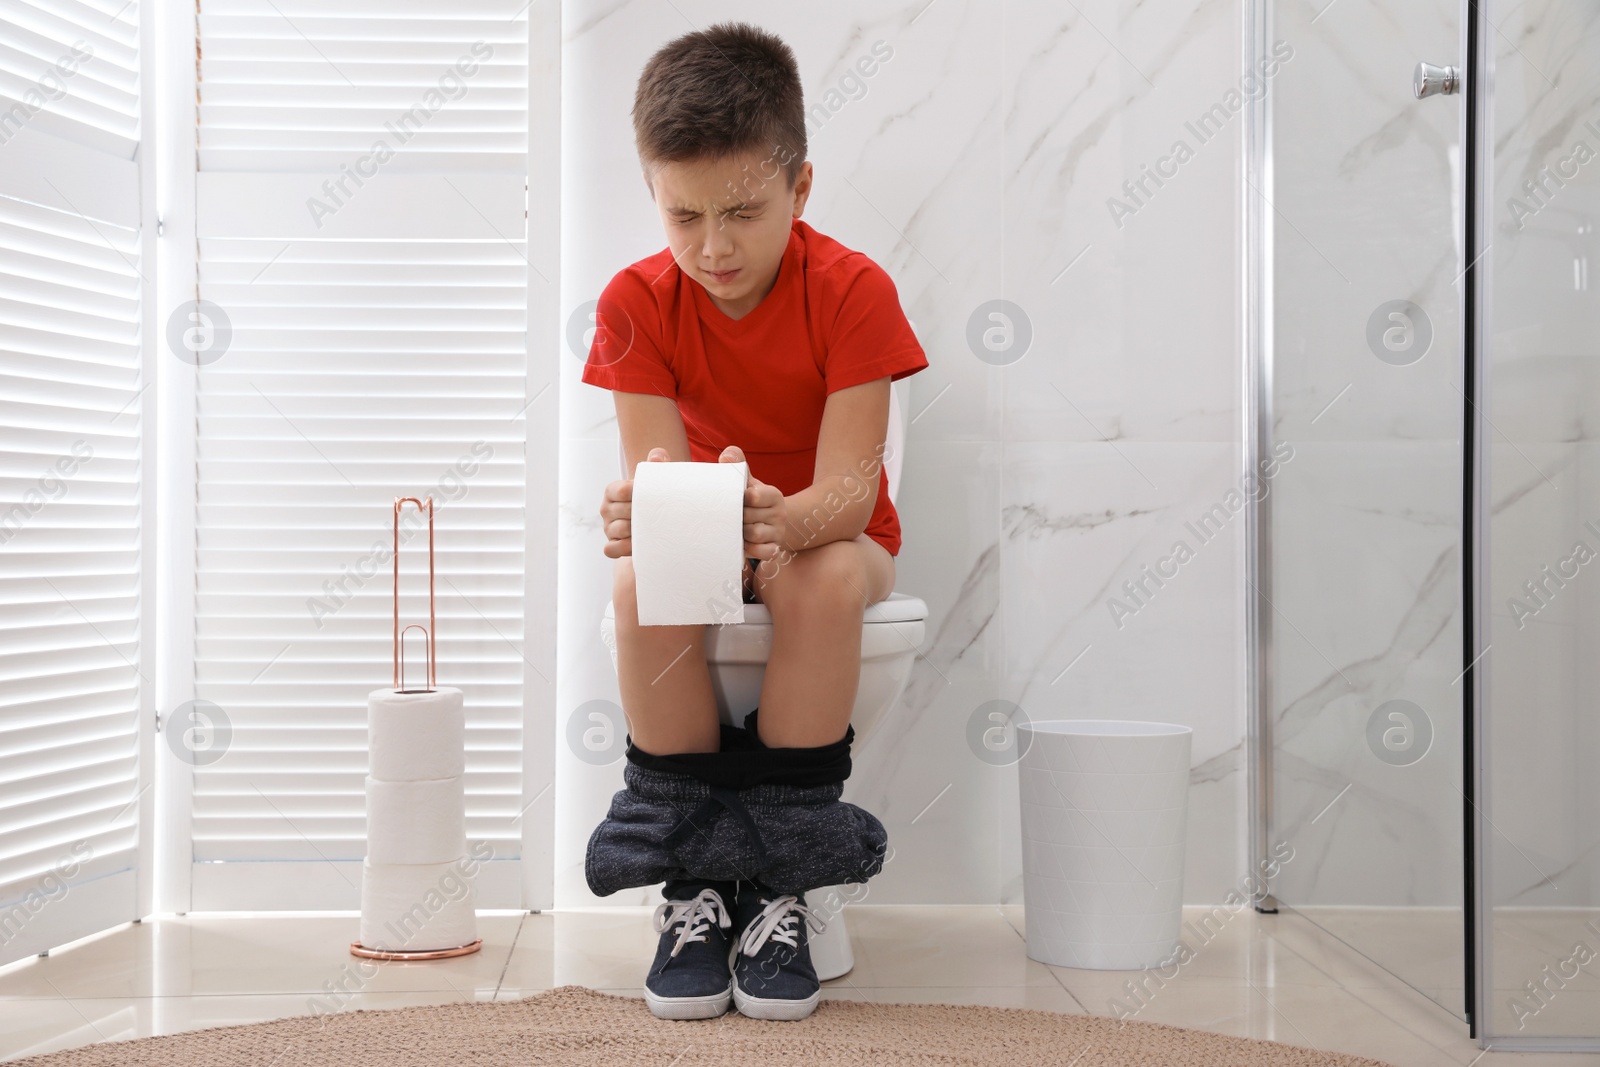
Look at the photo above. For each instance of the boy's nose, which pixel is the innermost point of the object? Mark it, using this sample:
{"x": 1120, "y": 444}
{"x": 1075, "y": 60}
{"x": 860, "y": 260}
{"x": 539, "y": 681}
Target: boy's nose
{"x": 716, "y": 245}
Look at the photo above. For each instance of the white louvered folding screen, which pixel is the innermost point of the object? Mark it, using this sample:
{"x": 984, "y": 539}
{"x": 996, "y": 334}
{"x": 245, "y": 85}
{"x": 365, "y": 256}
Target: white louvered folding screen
{"x": 361, "y": 220}
{"x": 74, "y": 672}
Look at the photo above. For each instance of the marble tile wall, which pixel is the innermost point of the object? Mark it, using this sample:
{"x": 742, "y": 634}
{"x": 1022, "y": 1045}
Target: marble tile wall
{"x": 980, "y": 164}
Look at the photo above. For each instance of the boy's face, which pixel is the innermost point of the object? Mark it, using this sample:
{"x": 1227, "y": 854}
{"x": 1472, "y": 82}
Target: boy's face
{"x": 730, "y": 216}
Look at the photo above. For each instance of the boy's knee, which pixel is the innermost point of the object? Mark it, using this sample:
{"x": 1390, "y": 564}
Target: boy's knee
{"x": 842, "y": 571}
{"x": 828, "y": 577}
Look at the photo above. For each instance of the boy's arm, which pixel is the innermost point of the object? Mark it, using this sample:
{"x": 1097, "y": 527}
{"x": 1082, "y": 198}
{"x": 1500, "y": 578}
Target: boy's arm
{"x": 647, "y": 421}
{"x": 650, "y": 424}
{"x": 839, "y": 502}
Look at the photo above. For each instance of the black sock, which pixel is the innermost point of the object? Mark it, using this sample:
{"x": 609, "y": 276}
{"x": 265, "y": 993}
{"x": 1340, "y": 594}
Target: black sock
{"x": 689, "y": 888}
{"x": 743, "y": 761}
{"x": 754, "y": 889}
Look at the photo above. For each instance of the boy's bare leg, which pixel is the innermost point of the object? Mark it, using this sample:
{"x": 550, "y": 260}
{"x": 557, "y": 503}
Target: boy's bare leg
{"x": 662, "y": 673}
{"x": 817, "y": 599}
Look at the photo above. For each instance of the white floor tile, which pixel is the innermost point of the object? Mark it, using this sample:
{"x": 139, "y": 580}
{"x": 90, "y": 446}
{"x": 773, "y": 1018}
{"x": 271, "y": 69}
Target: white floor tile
{"x": 1280, "y": 978}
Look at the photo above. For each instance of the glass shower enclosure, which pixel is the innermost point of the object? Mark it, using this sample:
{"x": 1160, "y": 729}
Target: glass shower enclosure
{"x": 1423, "y": 186}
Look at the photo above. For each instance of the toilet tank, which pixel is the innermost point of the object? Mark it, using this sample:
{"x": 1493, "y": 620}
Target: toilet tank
{"x": 895, "y": 439}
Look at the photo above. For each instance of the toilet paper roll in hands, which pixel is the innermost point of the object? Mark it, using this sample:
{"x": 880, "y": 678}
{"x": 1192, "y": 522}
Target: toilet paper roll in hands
{"x": 688, "y": 542}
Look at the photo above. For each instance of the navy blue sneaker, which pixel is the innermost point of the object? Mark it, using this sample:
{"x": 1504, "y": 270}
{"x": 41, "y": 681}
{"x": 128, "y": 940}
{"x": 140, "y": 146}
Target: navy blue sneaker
{"x": 689, "y": 978}
{"x": 771, "y": 960}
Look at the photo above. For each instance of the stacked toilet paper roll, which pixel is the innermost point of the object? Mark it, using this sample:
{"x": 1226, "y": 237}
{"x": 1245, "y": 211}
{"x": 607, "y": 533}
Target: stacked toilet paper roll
{"x": 416, "y": 886}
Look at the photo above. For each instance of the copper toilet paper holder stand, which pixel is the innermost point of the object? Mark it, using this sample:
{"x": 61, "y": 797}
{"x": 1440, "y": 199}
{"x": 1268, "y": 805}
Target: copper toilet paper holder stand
{"x": 431, "y": 682}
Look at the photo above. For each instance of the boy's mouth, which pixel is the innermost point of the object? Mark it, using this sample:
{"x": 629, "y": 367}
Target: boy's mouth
{"x": 723, "y": 276}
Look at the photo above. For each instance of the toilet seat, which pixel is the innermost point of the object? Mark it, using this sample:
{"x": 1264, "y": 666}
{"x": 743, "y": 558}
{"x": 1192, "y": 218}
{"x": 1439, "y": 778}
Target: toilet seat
{"x": 890, "y": 627}
{"x": 897, "y": 608}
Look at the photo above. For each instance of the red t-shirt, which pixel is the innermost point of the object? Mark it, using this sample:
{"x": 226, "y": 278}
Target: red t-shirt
{"x": 831, "y": 320}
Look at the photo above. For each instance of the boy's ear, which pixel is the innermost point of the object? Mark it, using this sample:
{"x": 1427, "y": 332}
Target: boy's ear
{"x": 802, "y": 188}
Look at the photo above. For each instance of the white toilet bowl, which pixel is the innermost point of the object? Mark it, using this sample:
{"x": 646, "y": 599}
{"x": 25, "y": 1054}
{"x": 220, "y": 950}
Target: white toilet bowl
{"x": 891, "y": 632}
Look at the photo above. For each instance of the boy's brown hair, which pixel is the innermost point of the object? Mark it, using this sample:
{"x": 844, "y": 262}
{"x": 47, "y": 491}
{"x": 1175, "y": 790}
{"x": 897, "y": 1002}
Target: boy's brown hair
{"x": 718, "y": 93}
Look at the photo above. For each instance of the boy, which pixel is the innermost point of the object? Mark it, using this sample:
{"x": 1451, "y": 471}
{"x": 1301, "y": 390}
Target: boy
{"x": 751, "y": 337}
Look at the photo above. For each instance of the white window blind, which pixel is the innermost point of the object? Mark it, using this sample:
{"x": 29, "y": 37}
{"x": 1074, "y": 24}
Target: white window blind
{"x": 72, "y": 669}
{"x": 361, "y": 220}
{"x": 69, "y": 68}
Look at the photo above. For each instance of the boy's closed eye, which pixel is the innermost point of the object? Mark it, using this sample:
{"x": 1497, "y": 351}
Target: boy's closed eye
{"x": 694, "y": 215}
{"x": 749, "y": 212}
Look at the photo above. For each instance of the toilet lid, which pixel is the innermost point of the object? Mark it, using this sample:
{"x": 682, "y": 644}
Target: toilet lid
{"x": 898, "y": 608}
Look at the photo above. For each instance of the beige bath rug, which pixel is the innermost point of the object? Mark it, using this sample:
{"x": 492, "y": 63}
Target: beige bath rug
{"x": 578, "y": 1026}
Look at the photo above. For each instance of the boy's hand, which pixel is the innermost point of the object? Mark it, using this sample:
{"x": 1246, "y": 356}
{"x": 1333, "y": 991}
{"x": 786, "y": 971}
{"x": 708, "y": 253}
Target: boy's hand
{"x": 616, "y": 510}
{"x": 764, "y": 515}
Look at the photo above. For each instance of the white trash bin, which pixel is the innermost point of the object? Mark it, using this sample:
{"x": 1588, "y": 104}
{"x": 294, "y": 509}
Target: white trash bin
{"x": 1104, "y": 814}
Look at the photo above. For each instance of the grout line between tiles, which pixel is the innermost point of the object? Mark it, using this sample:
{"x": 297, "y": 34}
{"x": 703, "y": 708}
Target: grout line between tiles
{"x": 1054, "y": 977}
{"x": 506, "y": 966}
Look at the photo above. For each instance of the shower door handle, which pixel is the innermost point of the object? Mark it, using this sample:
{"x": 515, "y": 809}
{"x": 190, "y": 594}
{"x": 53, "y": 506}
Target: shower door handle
{"x": 1429, "y": 80}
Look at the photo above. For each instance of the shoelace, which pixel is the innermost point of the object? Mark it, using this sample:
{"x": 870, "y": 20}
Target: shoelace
{"x": 777, "y": 922}
{"x": 695, "y": 915}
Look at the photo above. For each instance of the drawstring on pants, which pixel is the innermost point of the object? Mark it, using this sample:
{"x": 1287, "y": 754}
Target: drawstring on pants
{"x": 701, "y": 816}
